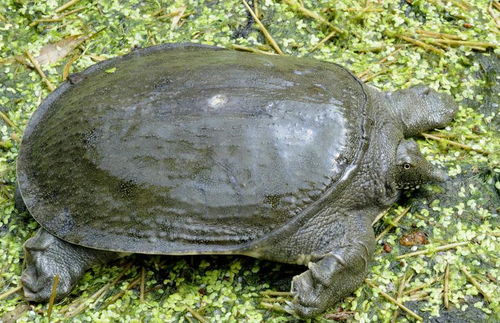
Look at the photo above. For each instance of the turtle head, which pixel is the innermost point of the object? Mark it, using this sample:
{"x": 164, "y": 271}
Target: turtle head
{"x": 420, "y": 108}
{"x": 412, "y": 169}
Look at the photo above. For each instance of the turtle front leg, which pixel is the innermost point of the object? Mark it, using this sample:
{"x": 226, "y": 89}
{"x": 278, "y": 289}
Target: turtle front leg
{"x": 47, "y": 256}
{"x": 334, "y": 276}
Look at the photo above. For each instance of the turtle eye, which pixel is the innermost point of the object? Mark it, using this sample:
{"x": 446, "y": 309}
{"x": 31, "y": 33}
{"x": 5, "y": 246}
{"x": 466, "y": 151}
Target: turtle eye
{"x": 406, "y": 166}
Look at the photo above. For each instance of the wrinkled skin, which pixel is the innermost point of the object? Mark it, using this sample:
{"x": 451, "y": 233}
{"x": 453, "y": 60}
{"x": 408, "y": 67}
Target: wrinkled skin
{"x": 47, "y": 256}
{"x": 334, "y": 238}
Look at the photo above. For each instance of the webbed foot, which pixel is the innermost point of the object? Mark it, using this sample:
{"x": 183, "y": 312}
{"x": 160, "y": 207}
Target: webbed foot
{"x": 47, "y": 256}
{"x": 330, "y": 279}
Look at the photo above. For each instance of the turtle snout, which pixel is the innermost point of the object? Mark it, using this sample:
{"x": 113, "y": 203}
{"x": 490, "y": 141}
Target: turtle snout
{"x": 438, "y": 175}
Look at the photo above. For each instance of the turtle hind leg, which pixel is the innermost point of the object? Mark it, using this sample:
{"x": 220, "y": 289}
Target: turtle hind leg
{"x": 334, "y": 276}
{"x": 47, "y": 256}
{"x": 421, "y": 109}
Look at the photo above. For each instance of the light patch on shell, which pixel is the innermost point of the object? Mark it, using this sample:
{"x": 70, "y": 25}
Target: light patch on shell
{"x": 303, "y": 72}
{"x": 217, "y": 101}
{"x": 302, "y": 135}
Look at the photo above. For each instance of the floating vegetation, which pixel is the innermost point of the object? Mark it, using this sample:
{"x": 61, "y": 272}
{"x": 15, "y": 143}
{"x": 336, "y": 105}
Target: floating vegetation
{"x": 450, "y": 45}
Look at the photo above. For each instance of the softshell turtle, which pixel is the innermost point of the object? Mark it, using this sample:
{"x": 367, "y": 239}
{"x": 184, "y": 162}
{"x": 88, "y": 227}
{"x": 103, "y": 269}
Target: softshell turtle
{"x": 188, "y": 149}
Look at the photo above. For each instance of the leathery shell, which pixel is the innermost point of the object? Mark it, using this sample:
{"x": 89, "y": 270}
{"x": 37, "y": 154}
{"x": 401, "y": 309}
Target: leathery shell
{"x": 186, "y": 149}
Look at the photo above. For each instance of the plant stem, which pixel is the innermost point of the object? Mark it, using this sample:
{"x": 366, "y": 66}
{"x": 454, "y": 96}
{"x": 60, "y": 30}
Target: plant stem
{"x": 395, "y": 302}
{"x": 39, "y": 70}
{"x": 474, "y": 282}
{"x": 441, "y": 248}
{"x": 392, "y": 224}
{"x": 263, "y": 29}
{"x": 456, "y": 144}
